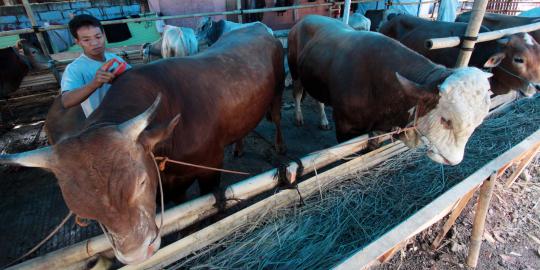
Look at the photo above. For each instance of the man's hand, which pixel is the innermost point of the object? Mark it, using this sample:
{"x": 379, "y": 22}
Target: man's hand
{"x": 102, "y": 77}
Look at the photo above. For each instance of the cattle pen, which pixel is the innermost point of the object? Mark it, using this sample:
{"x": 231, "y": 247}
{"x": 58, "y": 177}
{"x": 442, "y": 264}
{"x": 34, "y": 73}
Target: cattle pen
{"x": 260, "y": 212}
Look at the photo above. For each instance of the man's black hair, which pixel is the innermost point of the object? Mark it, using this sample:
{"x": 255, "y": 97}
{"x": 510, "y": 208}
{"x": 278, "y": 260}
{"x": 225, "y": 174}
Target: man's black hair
{"x": 81, "y": 21}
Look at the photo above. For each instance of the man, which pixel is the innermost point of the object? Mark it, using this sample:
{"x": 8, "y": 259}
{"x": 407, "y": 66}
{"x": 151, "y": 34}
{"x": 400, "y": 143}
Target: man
{"x": 84, "y": 81}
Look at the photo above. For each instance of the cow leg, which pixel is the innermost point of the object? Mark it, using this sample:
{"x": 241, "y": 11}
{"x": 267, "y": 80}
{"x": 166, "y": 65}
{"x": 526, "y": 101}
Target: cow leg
{"x": 297, "y": 94}
{"x": 275, "y": 113}
{"x": 210, "y": 183}
{"x": 238, "y": 148}
{"x": 324, "y": 120}
{"x": 175, "y": 188}
{"x": 344, "y": 130}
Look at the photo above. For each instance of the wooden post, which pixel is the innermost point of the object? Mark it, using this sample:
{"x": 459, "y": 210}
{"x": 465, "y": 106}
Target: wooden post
{"x": 527, "y": 158}
{"x": 452, "y": 218}
{"x": 486, "y": 191}
{"x": 239, "y": 8}
{"x": 295, "y": 11}
{"x": 471, "y": 34}
{"x": 346, "y": 11}
{"x": 39, "y": 35}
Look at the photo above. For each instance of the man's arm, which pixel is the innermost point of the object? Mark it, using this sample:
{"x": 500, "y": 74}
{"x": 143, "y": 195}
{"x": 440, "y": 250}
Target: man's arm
{"x": 76, "y": 96}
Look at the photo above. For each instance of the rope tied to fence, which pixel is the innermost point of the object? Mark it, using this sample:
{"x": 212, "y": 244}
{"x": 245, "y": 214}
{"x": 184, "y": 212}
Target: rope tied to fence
{"x": 164, "y": 160}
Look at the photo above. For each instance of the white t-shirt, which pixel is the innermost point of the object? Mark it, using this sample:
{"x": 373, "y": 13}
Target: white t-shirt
{"x": 81, "y": 72}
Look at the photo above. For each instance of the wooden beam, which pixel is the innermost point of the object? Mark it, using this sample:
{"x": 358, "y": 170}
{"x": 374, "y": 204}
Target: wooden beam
{"x": 386, "y": 257}
{"x": 434, "y": 211}
{"x": 486, "y": 192}
{"x": 452, "y": 218}
{"x": 527, "y": 158}
{"x": 471, "y": 33}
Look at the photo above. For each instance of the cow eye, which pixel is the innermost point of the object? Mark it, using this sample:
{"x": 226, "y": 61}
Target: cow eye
{"x": 519, "y": 60}
{"x": 447, "y": 124}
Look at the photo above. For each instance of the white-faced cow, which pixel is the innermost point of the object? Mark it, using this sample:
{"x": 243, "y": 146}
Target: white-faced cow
{"x": 514, "y": 60}
{"x": 359, "y": 22}
{"x": 176, "y": 42}
{"x": 209, "y": 31}
{"x": 373, "y": 83}
{"x": 106, "y": 170}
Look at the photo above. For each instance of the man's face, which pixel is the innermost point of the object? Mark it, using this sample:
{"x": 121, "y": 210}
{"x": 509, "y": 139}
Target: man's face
{"x": 91, "y": 39}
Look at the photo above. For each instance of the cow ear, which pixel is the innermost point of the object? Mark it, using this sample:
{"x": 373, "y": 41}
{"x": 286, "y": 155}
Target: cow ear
{"x": 413, "y": 89}
{"x": 149, "y": 138}
{"x": 494, "y": 60}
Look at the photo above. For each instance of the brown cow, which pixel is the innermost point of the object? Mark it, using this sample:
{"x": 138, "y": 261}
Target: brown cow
{"x": 374, "y": 83}
{"x": 514, "y": 63}
{"x": 106, "y": 171}
{"x": 495, "y": 21}
{"x": 15, "y": 65}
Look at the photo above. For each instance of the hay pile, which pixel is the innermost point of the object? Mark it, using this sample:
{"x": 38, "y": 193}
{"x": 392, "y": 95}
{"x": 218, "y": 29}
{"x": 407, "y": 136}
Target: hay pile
{"x": 345, "y": 217}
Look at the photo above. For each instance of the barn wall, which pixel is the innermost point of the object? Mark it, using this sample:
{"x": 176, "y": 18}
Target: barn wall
{"x": 14, "y": 17}
{"x": 273, "y": 19}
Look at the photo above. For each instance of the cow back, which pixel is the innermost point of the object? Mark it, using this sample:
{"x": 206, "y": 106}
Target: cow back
{"x": 412, "y": 32}
{"x": 495, "y": 21}
{"x": 221, "y": 93}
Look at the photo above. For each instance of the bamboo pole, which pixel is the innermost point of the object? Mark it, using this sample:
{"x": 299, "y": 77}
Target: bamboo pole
{"x": 527, "y": 158}
{"x": 239, "y": 9}
{"x": 471, "y": 33}
{"x": 452, "y": 218}
{"x": 346, "y": 11}
{"x": 184, "y": 215}
{"x": 39, "y": 35}
{"x": 228, "y": 225}
{"x": 486, "y": 192}
{"x": 449, "y": 42}
{"x": 295, "y": 12}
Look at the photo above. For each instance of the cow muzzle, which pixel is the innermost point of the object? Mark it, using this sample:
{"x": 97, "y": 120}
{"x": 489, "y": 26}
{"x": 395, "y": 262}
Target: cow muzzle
{"x": 436, "y": 156}
{"x": 145, "y": 251}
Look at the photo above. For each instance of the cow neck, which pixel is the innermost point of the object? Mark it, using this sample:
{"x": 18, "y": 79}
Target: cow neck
{"x": 502, "y": 85}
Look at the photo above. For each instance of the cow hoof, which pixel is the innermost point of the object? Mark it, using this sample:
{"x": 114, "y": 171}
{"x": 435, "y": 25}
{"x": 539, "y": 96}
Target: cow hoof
{"x": 299, "y": 123}
{"x": 325, "y": 127}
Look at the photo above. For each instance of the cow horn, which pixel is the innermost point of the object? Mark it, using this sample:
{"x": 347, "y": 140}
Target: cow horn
{"x": 136, "y": 125}
{"x": 35, "y": 158}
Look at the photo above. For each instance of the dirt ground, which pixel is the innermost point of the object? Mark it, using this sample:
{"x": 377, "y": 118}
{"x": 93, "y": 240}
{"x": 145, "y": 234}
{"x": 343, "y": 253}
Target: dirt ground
{"x": 511, "y": 238}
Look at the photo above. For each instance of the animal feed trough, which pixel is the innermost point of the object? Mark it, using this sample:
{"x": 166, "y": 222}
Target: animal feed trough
{"x": 339, "y": 219}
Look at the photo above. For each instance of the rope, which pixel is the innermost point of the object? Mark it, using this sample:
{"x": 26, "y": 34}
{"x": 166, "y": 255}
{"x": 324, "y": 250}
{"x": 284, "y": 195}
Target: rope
{"x": 164, "y": 161}
{"x": 51, "y": 234}
{"x": 517, "y": 76}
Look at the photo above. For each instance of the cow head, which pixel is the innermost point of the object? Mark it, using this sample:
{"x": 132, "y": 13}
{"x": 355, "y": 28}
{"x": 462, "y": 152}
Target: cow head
{"x": 35, "y": 57}
{"x": 519, "y": 64}
{"x": 208, "y": 31}
{"x": 107, "y": 173}
{"x": 456, "y": 108}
